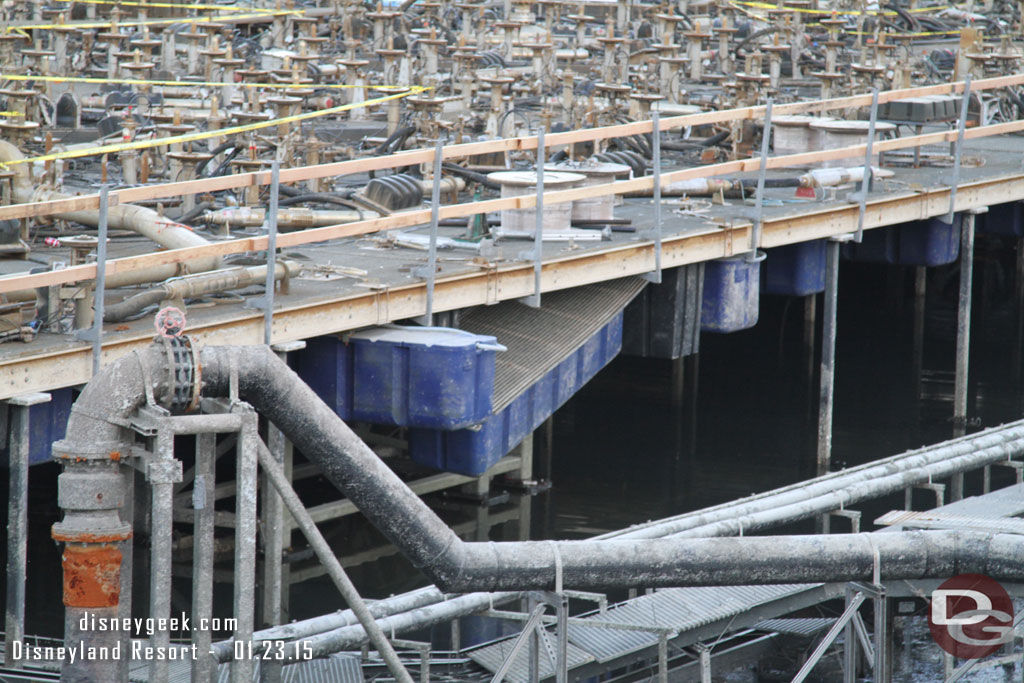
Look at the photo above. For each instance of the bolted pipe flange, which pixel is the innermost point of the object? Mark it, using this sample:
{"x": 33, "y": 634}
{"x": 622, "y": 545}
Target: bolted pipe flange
{"x": 78, "y": 452}
{"x": 184, "y": 374}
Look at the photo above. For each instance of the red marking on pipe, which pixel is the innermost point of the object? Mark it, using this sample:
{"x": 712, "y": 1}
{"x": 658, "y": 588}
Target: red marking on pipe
{"x": 92, "y": 576}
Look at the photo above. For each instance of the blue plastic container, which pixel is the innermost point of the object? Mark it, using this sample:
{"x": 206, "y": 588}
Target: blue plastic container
{"x": 1002, "y": 219}
{"x": 877, "y": 246}
{"x": 731, "y": 289}
{"x": 930, "y": 242}
{"x": 439, "y": 378}
{"x": 795, "y": 269}
{"x": 47, "y": 423}
{"x": 473, "y": 451}
{"x": 326, "y": 366}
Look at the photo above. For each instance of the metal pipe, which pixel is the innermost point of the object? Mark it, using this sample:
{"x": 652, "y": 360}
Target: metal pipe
{"x": 281, "y": 396}
{"x": 197, "y": 285}
{"x": 798, "y": 501}
{"x": 286, "y": 218}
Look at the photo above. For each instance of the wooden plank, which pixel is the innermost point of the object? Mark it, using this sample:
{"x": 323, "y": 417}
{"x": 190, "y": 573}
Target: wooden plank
{"x": 422, "y": 216}
{"x": 20, "y": 373}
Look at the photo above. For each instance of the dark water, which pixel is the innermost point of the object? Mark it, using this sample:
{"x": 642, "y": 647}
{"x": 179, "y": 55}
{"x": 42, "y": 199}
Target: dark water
{"x": 625, "y": 450}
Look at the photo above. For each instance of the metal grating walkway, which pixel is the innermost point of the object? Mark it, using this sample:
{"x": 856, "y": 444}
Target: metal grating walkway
{"x": 538, "y": 339}
{"x": 675, "y": 610}
{"x": 996, "y": 512}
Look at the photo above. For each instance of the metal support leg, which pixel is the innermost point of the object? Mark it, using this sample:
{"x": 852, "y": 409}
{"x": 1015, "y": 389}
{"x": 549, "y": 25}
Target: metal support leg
{"x": 833, "y": 632}
{"x": 882, "y": 644}
{"x": 963, "y": 341}
{"x": 705, "y": 661}
{"x": 329, "y": 560}
{"x": 245, "y": 540}
{"x": 203, "y": 493}
{"x": 163, "y": 472}
{"x": 534, "y": 637}
{"x": 678, "y": 383}
{"x": 917, "y": 353}
{"x": 562, "y": 657}
{"x": 849, "y": 645}
{"x": 17, "y": 522}
{"x": 828, "y": 351}
{"x": 124, "y": 605}
{"x": 275, "y": 526}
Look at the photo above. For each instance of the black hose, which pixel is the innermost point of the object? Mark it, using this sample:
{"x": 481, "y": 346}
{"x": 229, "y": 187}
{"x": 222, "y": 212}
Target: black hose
{"x": 196, "y": 210}
{"x": 911, "y": 21}
{"x": 226, "y": 164}
{"x": 715, "y": 139}
{"x": 322, "y": 198}
{"x": 751, "y": 183}
{"x": 218, "y": 150}
{"x": 472, "y": 176}
{"x": 754, "y": 36}
{"x": 384, "y": 147}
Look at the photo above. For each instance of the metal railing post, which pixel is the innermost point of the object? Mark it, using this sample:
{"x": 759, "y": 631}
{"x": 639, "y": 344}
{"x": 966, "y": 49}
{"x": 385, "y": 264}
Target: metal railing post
{"x": 533, "y": 300}
{"x": 958, "y": 148}
{"x": 655, "y": 276}
{"x": 755, "y": 235}
{"x": 435, "y": 208}
{"x": 95, "y": 333}
{"x": 865, "y": 183}
{"x": 271, "y": 224}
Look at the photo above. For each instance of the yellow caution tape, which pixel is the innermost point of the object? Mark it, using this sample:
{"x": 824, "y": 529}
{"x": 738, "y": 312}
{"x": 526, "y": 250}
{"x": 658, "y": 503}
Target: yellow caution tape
{"x": 192, "y": 137}
{"x": 196, "y": 84}
{"x": 156, "y": 22}
{"x": 222, "y": 8}
{"x": 804, "y": 10}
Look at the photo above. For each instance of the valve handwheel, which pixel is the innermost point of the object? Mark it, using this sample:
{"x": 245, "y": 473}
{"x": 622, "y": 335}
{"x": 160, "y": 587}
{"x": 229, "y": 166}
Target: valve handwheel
{"x": 170, "y": 322}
